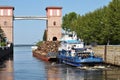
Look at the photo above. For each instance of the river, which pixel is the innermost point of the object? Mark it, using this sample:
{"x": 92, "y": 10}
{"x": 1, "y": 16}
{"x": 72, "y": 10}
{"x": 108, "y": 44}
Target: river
{"x": 27, "y": 67}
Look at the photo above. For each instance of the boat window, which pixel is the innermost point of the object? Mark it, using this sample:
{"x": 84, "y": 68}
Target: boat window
{"x": 70, "y": 35}
{"x": 73, "y": 54}
{"x": 84, "y": 55}
{"x": 65, "y": 42}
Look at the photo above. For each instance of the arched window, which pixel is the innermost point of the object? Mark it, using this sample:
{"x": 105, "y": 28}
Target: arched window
{"x": 5, "y": 22}
{"x": 54, "y": 38}
{"x": 54, "y": 23}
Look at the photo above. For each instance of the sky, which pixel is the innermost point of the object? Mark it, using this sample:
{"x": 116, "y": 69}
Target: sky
{"x": 31, "y": 31}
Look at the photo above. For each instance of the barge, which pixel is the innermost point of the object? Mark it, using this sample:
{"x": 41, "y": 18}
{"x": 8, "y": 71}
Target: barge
{"x": 48, "y": 57}
{"x": 46, "y": 51}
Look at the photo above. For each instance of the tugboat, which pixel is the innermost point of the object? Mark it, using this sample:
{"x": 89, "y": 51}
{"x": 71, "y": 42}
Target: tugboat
{"x": 73, "y": 52}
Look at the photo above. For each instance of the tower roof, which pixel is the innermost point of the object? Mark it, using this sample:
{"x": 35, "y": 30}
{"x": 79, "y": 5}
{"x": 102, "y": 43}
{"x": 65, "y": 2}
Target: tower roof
{"x": 6, "y": 7}
{"x": 53, "y": 7}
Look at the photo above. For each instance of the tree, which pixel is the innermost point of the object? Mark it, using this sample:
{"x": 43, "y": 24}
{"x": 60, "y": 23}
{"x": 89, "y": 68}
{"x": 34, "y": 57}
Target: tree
{"x": 101, "y": 26}
{"x": 44, "y": 35}
{"x": 69, "y": 21}
{"x": 2, "y": 38}
{"x": 114, "y": 21}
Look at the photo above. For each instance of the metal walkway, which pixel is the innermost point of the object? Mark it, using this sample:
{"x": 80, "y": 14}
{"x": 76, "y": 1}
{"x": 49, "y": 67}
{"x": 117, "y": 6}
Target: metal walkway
{"x": 29, "y": 18}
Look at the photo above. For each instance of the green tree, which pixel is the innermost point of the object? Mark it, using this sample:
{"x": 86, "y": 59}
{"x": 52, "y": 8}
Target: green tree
{"x": 2, "y": 38}
{"x": 114, "y": 21}
{"x": 44, "y": 36}
{"x": 101, "y": 26}
{"x": 69, "y": 21}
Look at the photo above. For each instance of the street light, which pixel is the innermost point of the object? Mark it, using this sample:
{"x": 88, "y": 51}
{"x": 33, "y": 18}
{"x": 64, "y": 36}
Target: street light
{"x": 110, "y": 34}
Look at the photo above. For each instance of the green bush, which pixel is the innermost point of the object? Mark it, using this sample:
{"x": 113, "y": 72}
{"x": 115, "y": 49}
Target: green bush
{"x": 39, "y": 43}
{"x": 2, "y": 44}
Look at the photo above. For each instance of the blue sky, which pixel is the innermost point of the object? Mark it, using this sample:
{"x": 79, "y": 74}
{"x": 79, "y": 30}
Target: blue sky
{"x": 31, "y": 31}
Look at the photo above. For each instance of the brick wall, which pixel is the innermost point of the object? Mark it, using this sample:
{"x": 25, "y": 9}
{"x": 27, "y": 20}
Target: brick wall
{"x": 6, "y": 23}
{"x": 54, "y": 30}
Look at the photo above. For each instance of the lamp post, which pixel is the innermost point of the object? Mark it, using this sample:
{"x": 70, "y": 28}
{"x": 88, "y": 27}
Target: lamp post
{"x": 109, "y": 37}
{"x": 108, "y": 42}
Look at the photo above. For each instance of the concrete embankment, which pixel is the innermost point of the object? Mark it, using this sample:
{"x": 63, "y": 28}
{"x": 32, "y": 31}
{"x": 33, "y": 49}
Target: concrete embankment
{"x": 110, "y": 53}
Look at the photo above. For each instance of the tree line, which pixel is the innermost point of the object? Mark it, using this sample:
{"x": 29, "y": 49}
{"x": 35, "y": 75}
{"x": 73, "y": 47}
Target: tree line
{"x": 101, "y": 26}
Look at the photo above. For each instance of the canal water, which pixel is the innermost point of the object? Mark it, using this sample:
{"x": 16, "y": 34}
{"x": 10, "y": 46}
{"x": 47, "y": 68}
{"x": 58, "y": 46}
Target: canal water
{"x": 27, "y": 67}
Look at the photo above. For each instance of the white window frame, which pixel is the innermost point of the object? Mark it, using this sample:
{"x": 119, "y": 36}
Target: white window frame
{"x": 58, "y": 12}
{"x": 51, "y": 12}
{"x": 1, "y": 12}
{"x": 9, "y": 12}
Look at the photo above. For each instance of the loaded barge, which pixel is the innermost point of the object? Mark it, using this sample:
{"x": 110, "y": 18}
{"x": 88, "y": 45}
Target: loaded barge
{"x": 48, "y": 57}
{"x": 47, "y": 51}
{"x": 70, "y": 50}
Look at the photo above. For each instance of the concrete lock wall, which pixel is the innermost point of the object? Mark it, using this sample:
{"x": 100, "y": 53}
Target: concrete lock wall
{"x": 110, "y": 53}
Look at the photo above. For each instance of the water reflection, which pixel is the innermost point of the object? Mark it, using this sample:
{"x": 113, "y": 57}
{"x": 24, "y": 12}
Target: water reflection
{"x": 112, "y": 74}
{"x": 63, "y": 72}
{"x": 6, "y": 70}
{"x": 27, "y": 67}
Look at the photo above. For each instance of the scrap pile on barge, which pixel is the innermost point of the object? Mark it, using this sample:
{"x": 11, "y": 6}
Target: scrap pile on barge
{"x": 47, "y": 50}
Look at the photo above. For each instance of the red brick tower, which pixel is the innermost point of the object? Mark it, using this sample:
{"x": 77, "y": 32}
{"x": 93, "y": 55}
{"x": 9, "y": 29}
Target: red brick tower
{"x": 54, "y": 15}
{"x": 6, "y": 21}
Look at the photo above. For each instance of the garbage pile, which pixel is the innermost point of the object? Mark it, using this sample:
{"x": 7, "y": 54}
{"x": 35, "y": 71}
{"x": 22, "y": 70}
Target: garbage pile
{"x": 47, "y": 46}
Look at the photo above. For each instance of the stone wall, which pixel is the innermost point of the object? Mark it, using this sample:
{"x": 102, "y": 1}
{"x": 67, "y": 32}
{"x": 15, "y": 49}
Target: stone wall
{"x": 110, "y": 53}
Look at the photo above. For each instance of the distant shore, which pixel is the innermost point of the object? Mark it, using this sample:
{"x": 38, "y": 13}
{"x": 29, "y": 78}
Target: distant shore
{"x": 21, "y": 45}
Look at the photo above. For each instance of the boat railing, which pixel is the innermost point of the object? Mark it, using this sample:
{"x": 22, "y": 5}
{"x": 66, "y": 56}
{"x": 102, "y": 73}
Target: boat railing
{"x": 4, "y": 47}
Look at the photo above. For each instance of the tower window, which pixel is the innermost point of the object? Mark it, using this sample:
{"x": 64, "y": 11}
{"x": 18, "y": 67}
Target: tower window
{"x": 51, "y": 12}
{"x": 5, "y": 22}
{"x": 54, "y": 38}
{"x": 58, "y": 12}
{"x": 54, "y": 23}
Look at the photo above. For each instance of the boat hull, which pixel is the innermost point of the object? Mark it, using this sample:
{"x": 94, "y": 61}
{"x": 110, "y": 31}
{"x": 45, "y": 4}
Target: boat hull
{"x": 43, "y": 57}
{"x": 80, "y": 62}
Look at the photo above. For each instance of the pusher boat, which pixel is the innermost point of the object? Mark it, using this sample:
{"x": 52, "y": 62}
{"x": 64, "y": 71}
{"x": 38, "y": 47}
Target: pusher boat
{"x": 73, "y": 52}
